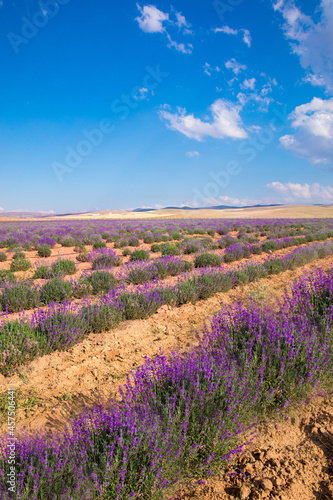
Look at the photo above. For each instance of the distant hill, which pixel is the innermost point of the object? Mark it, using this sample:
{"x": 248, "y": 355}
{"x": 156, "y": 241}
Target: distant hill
{"x": 274, "y": 211}
{"x": 23, "y": 215}
{"x": 217, "y": 207}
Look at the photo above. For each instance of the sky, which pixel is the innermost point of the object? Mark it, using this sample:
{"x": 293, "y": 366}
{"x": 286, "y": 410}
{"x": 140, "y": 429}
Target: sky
{"x": 119, "y": 105}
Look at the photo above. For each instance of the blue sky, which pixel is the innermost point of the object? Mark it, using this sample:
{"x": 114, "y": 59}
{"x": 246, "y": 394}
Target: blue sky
{"x": 117, "y": 105}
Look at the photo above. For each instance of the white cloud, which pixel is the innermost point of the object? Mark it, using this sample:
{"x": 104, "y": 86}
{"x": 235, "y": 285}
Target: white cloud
{"x": 315, "y": 80}
{"x": 225, "y": 200}
{"x": 181, "y": 47}
{"x": 294, "y": 192}
{"x": 234, "y": 66}
{"x": 247, "y": 38}
{"x": 142, "y": 94}
{"x": 181, "y": 21}
{"x": 249, "y": 84}
{"x": 225, "y": 122}
{"x": 311, "y": 42}
{"x": 230, "y": 31}
{"x": 192, "y": 154}
{"x": 261, "y": 100}
{"x": 313, "y": 123}
{"x": 153, "y": 20}
{"x": 233, "y": 202}
{"x": 208, "y": 69}
{"x": 2, "y": 209}
{"x": 226, "y": 29}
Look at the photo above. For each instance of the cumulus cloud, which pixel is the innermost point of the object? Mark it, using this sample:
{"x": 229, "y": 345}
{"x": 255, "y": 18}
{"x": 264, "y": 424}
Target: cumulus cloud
{"x": 311, "y": 42}
{"x": 235, "y": 66}
{"x": 153, "y": 20}
{"x": 192, "y": 154}
{"x": 225, "y": 122}
{"x": 229, "y": 31}
{"x": 249, "y": 84}
{"x": 313, "y": 123}
{"x": 310, "y": 193}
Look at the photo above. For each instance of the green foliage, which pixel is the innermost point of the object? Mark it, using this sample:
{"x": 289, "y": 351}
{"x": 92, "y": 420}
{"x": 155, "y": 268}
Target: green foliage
{"x": 199, "y": 230}
{"x": 42, "y": 273}
{"x": 64, "y": 267}
{"x": 269, "y": 246}
{"x": 139, "y": 255}
{"x": 44, "y": 251}
{"x": 120, "y": 244}
{"x": 3, "y": 257}
{"x": 156, "y": 248}
{"x": 19, "y": 296}
{"x": 98, "y": 319}
{"x": 56, "y": 290}
{"x": 106, "y": 235}
{"x": 20, "y": 265}
{"x": 18, "y": 344}
{"x": 126, "y": 252}
{"x": 208, "y": 259}
{"x": 256, "y": 249}
{"x": 133, "y": 242}
{"x": 18, "y": 255}
{"x": 191, "y": 246}
{"x": 68, "y": 242}
{"x": 174, "y": 235}
{"x": 169, "y": 249}
{"x": 149, "y": 238}
{"x": 7, "y": 276}
{"x": 101, "y": 282}
{"x": 99, "y": 244}
{"x": 187, "y": 292}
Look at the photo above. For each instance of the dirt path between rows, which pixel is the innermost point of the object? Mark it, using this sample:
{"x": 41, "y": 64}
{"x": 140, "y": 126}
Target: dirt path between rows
{"x": 54, "y": 388}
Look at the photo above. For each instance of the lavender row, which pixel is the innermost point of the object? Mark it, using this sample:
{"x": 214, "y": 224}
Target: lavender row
{"x": 61, "y": 326}
{"x": 23, "y": 296}
{"x": 183, "y": 416}
{"x": 70, "y": 233}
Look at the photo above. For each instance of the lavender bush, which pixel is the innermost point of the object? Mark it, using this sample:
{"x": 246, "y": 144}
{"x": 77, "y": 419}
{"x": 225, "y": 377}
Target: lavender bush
{"x": 104, "y": 258}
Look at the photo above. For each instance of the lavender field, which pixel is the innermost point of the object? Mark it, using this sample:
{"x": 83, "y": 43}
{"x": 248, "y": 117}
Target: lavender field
{"x": 179, "y": 415}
